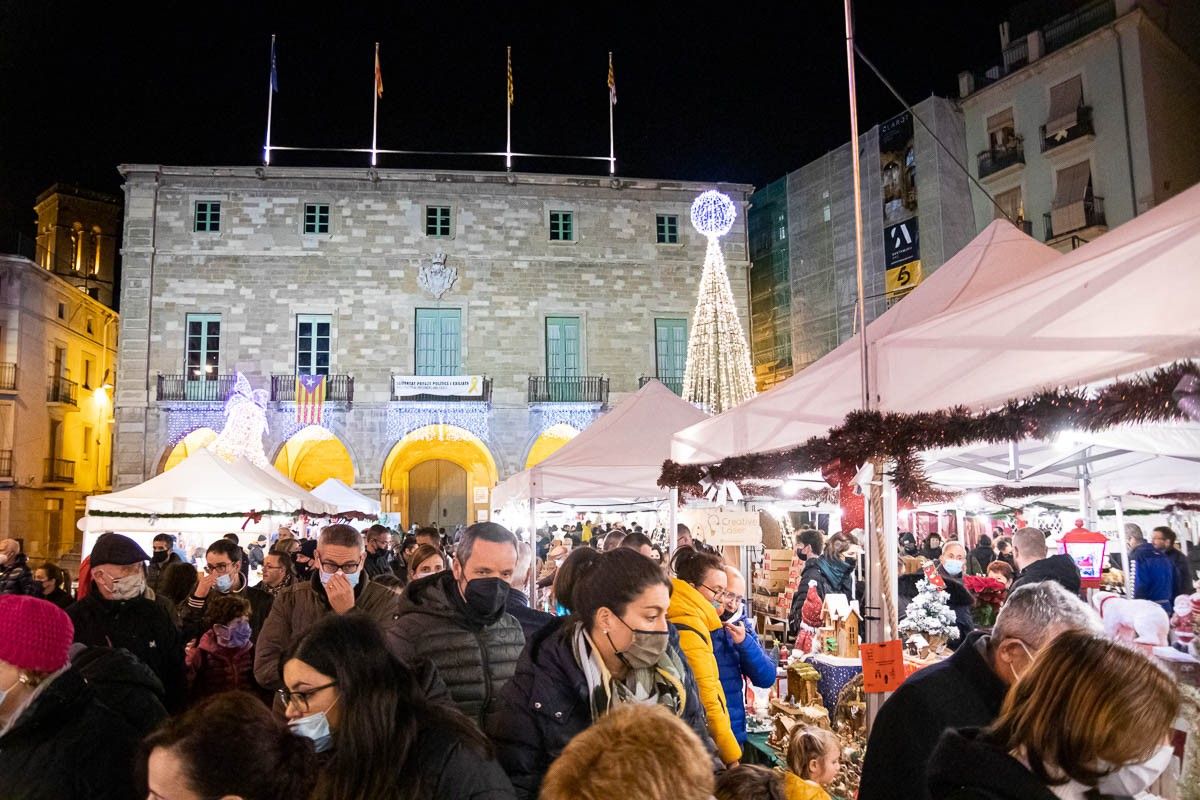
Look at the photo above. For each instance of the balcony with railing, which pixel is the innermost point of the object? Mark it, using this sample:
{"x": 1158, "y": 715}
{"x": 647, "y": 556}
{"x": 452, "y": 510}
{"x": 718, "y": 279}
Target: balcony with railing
{"x": 467, "y": 395}
{"x": 338, "y": 388}
{"x": 577, "y": 389}
{"x": 6, "y": 465}
{"x": 1093, "y": 217}
{"x": 995, "y": 159}
{"x": 1081, "y": 128}
{"x": 59, "y": 470}
{"x": 62, "y": 391}
{"x": 674, "y": 382}
{"x": 8, "y": 377}
{"x": 182, "y": 388}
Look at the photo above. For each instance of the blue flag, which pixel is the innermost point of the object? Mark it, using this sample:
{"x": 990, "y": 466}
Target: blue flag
{"x": 274, "y": 74}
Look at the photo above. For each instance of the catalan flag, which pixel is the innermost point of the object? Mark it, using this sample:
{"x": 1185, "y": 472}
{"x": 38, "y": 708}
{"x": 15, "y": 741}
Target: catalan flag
{"x": 510, "y": 80}
{"x": 378, "y": 74}
{"x": 612, "y": 81}
{"x": 310, "y": 398}
{"x": 274, "y": 72}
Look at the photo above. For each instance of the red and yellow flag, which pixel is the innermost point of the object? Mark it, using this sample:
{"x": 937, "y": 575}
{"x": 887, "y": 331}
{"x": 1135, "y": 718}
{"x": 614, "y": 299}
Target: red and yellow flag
{"x": 310, "y": 398}
{"x": 510, "y": 80}
{"x": 378, "y": 74}
{"x": 612, "y": 81}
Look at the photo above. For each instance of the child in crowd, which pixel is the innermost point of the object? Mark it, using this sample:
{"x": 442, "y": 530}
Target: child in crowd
{"x": 814, "y": 757}
{"x": 223, "y": 660}
{"x": 748, "y": 782}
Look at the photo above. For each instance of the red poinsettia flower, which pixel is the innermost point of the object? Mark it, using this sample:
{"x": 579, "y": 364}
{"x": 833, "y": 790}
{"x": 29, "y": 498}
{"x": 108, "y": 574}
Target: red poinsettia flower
{"x": 986, "y": 590}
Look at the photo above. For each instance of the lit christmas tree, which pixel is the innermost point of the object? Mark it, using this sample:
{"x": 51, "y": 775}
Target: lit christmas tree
{"x": 718, "y": 374}
{"x": 929, "y": 612}
{"x": 245, "y": 424}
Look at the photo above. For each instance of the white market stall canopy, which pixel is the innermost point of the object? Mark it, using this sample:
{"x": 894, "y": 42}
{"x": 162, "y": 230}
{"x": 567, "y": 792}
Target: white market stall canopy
{"x": 201, "y": 484}
{"x": 615, "y": 461}
{"x": 819, "y": 397}
{"x": 344, "y": 498}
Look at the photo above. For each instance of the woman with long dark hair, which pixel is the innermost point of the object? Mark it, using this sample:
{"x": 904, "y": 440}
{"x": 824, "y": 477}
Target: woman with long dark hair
{"x": 376, "y": 733}
{"x": 616, "y": 648}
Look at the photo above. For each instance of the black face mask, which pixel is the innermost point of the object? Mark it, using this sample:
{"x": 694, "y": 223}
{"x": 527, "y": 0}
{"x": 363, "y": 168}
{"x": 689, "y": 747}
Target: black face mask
{"x": 910, "y": 549}
{"x": 160, "y": 556}
{"x": 486, "y": 598}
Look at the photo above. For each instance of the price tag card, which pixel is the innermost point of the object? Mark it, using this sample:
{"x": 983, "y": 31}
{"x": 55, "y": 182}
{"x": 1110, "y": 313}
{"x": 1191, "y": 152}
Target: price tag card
{"x": 883, "y": 666}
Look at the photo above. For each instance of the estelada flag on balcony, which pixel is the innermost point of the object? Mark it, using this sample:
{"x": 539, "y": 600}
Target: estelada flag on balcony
{"x": 310, "y": 398}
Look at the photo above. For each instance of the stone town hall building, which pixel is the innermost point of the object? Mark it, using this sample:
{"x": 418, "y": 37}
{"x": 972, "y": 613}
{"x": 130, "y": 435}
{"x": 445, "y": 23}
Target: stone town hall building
{"x": 558, "y": 293}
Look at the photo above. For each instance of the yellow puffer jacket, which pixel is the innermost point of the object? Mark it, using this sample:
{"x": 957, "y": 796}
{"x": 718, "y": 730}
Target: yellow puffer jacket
{"x": 800, "y": 789}
{"x": 696, "y": 619}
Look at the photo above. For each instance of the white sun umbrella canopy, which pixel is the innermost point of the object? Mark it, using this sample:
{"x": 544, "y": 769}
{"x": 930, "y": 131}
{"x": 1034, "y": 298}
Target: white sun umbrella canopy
{"x": 615, "y": 461}
{"x": 819, "y": 397}
{"x": 344, "y": 498}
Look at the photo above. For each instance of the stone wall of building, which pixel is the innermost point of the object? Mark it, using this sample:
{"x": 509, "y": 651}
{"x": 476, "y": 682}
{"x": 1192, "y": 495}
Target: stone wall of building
{"x": 260, "y": 271}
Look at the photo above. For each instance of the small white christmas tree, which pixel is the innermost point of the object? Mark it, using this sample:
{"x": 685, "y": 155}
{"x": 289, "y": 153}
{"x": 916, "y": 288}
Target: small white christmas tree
{"x": 929, "y": 612}
{"x": 718, "y": 374}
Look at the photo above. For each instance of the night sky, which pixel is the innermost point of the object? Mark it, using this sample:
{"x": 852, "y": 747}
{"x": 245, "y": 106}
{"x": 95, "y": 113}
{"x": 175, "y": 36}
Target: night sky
{"x": 735, "y": 92}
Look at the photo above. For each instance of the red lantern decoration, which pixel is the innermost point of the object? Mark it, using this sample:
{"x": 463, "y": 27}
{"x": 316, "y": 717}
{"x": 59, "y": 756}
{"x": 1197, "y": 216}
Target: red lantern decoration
{"x": 1086, "y": 548}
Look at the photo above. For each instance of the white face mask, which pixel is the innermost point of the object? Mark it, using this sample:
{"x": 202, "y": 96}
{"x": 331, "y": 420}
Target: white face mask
{"x": 128, "y": 587}
{"x": 1133, "y": 779}
{"x": 314, "y": 727}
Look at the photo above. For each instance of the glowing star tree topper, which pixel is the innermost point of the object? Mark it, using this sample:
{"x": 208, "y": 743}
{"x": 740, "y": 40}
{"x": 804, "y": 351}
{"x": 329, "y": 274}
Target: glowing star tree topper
{"x": 718, "y": 375}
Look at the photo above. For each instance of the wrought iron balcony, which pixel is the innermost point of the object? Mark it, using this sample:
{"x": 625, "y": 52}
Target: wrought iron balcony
{"x": 62, "y": 391}
{"x": 995, "y": 159}
{"x": 578, "y": 389}
{"x": 182, "y": 388}
{"x": 60, "y": 471}
{"x": 674, "y": 383}
{"x": 6, "y": 464}
{"x": 484, "y": 397}
{"x": 1083, "y": 127}
{"x": 8, "y": 377}
{"x": 1093, "y": 216}
{"x": 338, "y": 388}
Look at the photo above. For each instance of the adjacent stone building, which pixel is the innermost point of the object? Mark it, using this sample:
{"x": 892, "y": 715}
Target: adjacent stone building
{"x": 549, "y": 296}
{"x": 58, "y": 351}
{"x": 916, "y": 214}
{"x": 1090, "y": 118}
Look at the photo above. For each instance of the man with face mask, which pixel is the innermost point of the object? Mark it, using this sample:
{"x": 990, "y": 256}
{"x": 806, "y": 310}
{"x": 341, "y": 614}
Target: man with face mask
{"x": 161, "y": 557}
{"x": 457, "y": 619}
{"x": 964, "y": 691}
{"x": 222, "y": 575}
{"x": 739, "y": 654}
{"x": 15, "y": 575}
{"x": 951, "y": 566}
{"x": 338, "y": 584}
{"x": 120, "y": 612}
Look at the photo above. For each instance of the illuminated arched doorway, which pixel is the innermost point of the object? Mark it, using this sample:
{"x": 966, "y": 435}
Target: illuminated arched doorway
{"x": 196, "y": 440}
{"x": 550, "y": 441}
{"x": 441, "y": 471}
{"x": 312, "y": 456}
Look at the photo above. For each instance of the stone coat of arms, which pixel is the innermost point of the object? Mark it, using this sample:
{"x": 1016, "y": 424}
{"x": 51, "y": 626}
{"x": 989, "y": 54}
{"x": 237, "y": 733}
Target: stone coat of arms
{"x": 436, "y": 277}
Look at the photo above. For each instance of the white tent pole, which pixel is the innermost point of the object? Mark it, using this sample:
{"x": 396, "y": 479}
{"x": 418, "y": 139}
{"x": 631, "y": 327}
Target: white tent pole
{"x": 672, "y": 522}
{"x": 533, "y": 549}
{"x": 1119, "y": 506}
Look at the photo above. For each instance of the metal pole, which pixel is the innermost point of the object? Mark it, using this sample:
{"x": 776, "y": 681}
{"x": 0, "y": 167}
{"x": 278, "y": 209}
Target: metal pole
{"x": 375, "y": 115}
{"x": 672, "y": 522}
{"x": 270, "y": 103}
{"x": 858, "y": 222}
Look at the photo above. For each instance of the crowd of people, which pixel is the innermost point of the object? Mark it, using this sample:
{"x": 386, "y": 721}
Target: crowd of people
{"x": 380, "y": 665}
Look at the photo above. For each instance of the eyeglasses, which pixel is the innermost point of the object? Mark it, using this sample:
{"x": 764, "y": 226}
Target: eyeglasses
{"x": 218, "y": 569}
{"x": 301, "y": 699}
{"x": 718, "y": 594}
{"x": 349, "y": 567}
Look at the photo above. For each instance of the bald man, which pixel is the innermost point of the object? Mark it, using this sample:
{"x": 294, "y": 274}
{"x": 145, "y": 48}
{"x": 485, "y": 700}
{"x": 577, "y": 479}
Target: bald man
{"x": 15, "y": 575}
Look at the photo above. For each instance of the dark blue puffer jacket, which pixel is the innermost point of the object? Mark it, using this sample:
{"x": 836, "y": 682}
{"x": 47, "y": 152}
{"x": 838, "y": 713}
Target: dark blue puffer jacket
{"x": 734, "y": 661}
{"x": 1153, "y": 576}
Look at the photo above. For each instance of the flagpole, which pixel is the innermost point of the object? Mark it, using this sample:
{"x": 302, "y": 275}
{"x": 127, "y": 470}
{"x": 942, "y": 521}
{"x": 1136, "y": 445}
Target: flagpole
{"x": 508, "y": 116}
{"x": 375, "y": 116}
{"x": 270, "y": 103}
{"x": 612, "y": 149}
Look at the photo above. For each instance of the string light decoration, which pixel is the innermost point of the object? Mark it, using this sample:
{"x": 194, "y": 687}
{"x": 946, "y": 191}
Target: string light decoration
{"x": 574, "y": 415}
{"x": 437, "y": 421}
{"x": 718, "y": 374}
{"x": 245, "y": 425}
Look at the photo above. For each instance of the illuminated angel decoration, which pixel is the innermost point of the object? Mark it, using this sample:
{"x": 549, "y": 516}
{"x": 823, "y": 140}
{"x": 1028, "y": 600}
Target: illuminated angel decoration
{"x": 245, "y": 425}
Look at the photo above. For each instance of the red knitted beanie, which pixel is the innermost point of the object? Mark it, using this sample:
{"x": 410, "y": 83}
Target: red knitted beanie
{"x": 34, "y": 634}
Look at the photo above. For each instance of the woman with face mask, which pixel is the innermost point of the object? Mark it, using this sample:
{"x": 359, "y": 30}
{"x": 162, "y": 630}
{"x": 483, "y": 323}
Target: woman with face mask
{"x": 425, "y": 560}
{"x": 375, "y": 732}
{"x": 1090, "y": 719}
{"x": 698, "y": 599}
{"x": 52, "y": 578}
{"x": 616, "y": 647}
{"x": 223, "y": 660}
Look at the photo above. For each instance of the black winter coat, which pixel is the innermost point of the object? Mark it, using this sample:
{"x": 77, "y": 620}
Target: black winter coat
{"x": 531, "y": 619}
{"x": 378, "y": 564}
{"x": 123, "y": 684}
{"x": 16, "y": 577}
{"x": 960, "y": 603}
{"x": 961, "y": 691}
{"x": 68, "y": 744}
{"x": 60, "y": 598}
{"x": 1059, "y": 568}
{"x": 475, "y": 662}
{"x": 155, "y": 570}
{"x": 141, "y": 626}
{"x": 964, "y": 767}
{"x": 546, "y": 704}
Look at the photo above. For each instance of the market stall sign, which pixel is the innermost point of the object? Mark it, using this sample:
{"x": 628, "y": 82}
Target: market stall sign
{"x": 883, "y": 666}
{"x": 718, "y": 527}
